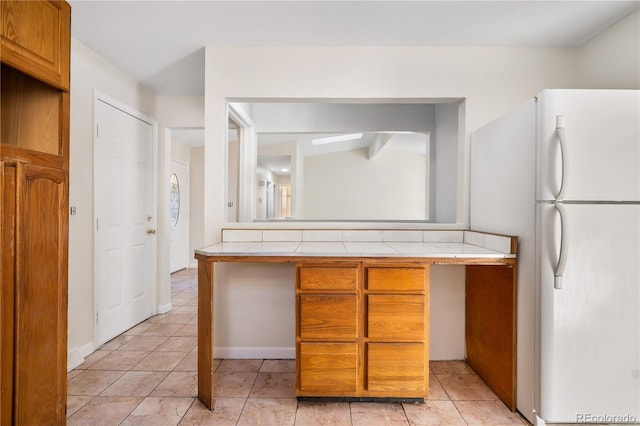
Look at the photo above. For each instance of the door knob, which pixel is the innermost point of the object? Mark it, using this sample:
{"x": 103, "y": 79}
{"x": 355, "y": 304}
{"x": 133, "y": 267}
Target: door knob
{"x": 150, "y": 231}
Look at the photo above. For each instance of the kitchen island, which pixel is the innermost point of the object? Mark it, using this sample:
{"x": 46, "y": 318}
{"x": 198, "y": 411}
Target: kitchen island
{"x": 362, "y": 307}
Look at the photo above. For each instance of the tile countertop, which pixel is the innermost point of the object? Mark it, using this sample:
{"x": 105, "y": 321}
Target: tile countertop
{"x": 353, "y": 249}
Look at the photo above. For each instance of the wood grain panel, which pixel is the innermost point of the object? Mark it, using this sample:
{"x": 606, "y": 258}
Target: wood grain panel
{"x": 41, "y": 295}
{"x": 328, "y": 369}
{"x": 205, "y": 332}
{"x": 396, "y": 318}
{"x": 490, "y": 331}
{"x": 397, "y": 369}
{"x": 396, "y": 279}
{"x": 7, "y": 278}
{"x": 328, "y": 278}
{"x": 328, "y": 317}
{"x": 30, "y": 113}
{"x": 35, "y": 38}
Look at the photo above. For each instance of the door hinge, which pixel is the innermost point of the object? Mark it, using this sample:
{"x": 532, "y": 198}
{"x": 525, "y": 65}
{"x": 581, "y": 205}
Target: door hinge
{"x": 97, "y": 223}
{"x": 97, "y": 130}
{"x": 96, "y": 317}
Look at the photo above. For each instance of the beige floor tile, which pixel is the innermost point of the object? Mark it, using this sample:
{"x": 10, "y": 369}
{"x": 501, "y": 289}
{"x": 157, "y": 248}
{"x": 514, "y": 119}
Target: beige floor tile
{"x": 240, "y": 365}
{"x": 142, "y": 343}
{"x": 274, "y": 385}
{"x": 162, "y": 329}
{"x": 175, "y": 318}
{"x": 104, "y": 410}
{"x": 76, "y": 402}
{"x": 450, "y": 367}
{"x": 135, "y": 383}
{"x": 116, "y": 342}
{"x": 278, "y": 366}
{"x": 178, "y": 383}
{"x": 73, "y": 373}
{"x": 268, "y": 411}
{"x": 178, "y": 344}
{"x": 436, "y": 391}
{"x": 92, "y": 382}
{"x": 154, "y": 411}
{"x": 187, "y": 330}
{"x": 155, "y": 319}
{"x": 160, "y": 361}
{"x": 323, "y": 414}
{"x": 377, "y": 413}
{"x": 487, "y": 413}
{"x": 233, "y": 384}
{"x": 93, "y": 358}
{"x": 226, "y": 412}
{"x": 119, "y": 360}
{"x": 433, "y": 413}
{"x": 193, "y": 310}
{"x": 189, "y": 363}
{"x": 466, "y": 387}
{"x": 138, "y": 329}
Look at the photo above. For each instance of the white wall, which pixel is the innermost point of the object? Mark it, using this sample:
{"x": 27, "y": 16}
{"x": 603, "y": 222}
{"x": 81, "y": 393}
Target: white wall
{"x": 349, "y": 186}
{"x": 492, "y": 80}
{"x": 89, "y": 72}
{"x": 196, "y": 201}
{"x": 611, "y": 60}
{"x": 446, "y": 141}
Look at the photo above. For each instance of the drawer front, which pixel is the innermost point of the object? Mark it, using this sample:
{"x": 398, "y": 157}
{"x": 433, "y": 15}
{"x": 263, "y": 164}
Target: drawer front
{"x": 328, "y": 279}
{"x": 328, "y": 369}
{"x": 397, "y": 368}
{"x": 396, "y": 318}
{"x": 328, "y": 317}
{"x": 396, "y": 279}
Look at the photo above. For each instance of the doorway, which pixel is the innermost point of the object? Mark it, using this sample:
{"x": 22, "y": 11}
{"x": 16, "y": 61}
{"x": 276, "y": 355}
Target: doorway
{"x": 124, "y": 218}
{"x": 179, "y": 215}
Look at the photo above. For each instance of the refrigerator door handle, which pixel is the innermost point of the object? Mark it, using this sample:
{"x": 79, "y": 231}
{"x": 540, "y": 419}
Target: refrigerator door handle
{"x": 562, "y": 138}
{"x": 562, "y": 257}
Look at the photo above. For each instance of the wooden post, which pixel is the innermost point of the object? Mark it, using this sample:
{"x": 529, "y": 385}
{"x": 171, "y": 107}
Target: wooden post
{"x": 205, "y": 331}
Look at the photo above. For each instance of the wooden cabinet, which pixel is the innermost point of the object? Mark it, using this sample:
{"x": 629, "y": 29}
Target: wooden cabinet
{"x": 34, "y": 179}
{"x": 362, "y": 330}
{"x": 35, "y": 38}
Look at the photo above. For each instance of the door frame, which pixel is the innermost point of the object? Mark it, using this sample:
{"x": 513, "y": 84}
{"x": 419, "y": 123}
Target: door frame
{"x": 247, "y": 159}
{"x": 99, "y": 96}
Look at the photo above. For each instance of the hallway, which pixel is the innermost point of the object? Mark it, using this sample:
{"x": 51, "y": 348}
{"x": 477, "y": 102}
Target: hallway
{"x": 148, "y": 376}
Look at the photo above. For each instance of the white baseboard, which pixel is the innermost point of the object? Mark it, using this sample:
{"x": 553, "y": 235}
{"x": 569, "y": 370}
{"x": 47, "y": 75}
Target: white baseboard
{"x": 193, "y": 264}
{"x": 163, "y": 309}
{"x": 76, "y": 356}
{"x": 254, "y": 352}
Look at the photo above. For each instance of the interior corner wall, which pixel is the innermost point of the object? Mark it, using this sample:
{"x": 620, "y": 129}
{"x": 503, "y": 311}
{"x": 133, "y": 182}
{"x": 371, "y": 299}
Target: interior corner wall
{"x": 611, "y": 60}
{"x": 446, "y": 142}
{"x": 89, "y": 72}
{"x": 196, "y": 201}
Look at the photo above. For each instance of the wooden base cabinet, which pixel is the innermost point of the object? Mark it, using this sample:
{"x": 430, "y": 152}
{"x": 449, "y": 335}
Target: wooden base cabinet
{"x": 34, "y": 185}
{"x": 362, "y": 330}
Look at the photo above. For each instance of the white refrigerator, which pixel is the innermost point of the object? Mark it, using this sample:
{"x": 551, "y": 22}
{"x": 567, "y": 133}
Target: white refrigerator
{"x": 562, "y": 172}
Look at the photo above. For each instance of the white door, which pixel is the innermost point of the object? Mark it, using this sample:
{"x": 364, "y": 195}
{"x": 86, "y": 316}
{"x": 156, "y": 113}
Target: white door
{"x": 590, "y": 328}
{"x": 125, "y": 240}
{"x": 179, "y": 215}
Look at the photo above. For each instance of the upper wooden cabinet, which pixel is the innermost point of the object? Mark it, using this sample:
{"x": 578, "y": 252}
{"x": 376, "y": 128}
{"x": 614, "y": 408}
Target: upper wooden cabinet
{"x": 35, "y": 38}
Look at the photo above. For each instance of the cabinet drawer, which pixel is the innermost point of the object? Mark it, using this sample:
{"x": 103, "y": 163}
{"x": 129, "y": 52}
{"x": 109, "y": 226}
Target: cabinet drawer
{"x": 328, "y": 369}
{"x": 396, "y": 317}
{"x": 328, "y": 278}
{"x": 397, "y": 368}
{"x": 328, "y": 317}
{"x": 390, "y": 279}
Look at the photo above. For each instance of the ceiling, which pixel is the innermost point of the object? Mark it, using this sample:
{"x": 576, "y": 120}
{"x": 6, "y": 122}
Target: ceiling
{"x": 161, "y": 43}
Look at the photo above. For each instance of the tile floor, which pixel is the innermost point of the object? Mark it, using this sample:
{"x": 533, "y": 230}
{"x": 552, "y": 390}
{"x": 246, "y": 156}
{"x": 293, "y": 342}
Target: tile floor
{"x": 147, "y": 376}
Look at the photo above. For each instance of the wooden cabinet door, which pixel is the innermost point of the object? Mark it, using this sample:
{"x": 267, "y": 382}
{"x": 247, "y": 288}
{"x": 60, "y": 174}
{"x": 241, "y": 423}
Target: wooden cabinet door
{"x": 40, "y": 340}
{"x": 397, "y": 369}
{"x": 394, "y": 317}
{"x": 35, "y": 38}
{"x": 328, "y": 369}
{"x": 331, "y": 317}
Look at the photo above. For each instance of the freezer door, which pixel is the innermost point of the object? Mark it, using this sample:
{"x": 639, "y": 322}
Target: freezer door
{"x": 602, "y": 152}
{"x": 589, "y": 335}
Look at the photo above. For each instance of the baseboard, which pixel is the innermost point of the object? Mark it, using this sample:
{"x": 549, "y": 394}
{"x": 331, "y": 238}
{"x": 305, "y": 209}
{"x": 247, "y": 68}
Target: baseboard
{"x": 76, "y": 356}
{"x": 254, "y": 352}
{"x": 163, "y": 309}
{"x": 193, "y": 264}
